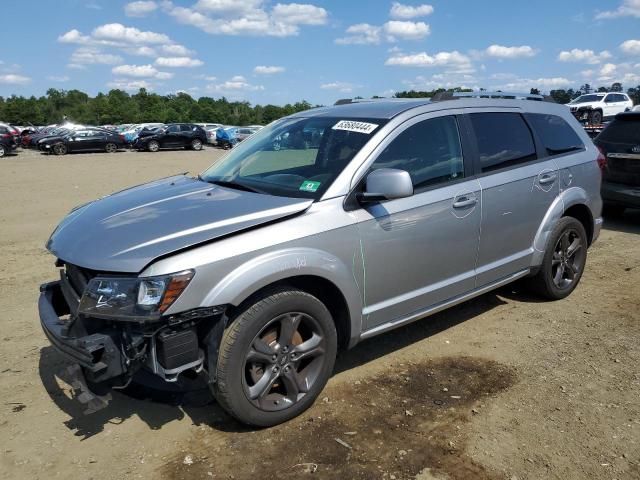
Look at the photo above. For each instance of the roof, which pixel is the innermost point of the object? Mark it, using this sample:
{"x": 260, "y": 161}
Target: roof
{"x": 389, "y": 108}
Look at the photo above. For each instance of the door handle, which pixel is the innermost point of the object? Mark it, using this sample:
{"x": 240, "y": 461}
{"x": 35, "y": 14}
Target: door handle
{"x": 545, "y": 179}
{"x": 464, "y": 201}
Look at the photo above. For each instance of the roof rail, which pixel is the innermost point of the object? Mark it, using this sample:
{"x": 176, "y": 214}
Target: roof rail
{"x": 441, "y": 96}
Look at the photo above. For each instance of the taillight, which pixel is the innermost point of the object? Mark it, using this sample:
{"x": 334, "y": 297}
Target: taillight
{"x": 121, "y": 137}
{"x": 602, "y": 159}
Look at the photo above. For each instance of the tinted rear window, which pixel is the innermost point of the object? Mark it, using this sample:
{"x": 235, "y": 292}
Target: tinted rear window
{"x": 556, "y": 134}
{"x": 504, "y": 140}
{"x": 622, "y": 131}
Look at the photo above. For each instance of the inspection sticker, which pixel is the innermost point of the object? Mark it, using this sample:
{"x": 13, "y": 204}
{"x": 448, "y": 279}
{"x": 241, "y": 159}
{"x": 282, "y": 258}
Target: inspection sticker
{"x": 309, "y": 186}
{"x": 353, "y": 126}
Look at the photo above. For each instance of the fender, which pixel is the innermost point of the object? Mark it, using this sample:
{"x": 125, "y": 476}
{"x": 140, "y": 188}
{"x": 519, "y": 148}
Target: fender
{"x": 271, "y": 267}
{"x": 567, "y": 199}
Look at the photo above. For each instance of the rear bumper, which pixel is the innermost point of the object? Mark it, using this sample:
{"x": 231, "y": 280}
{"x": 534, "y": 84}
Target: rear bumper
{"x": 97, "y": 353}
{"x": 619, "y": 194}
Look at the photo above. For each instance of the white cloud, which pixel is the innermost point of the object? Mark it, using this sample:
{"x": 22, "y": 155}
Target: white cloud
{"x": 361, "y": 34}
{"x": 455, "y": 61}
{"x": 143, "y": 51}
{"x": 74, "y": 36}
{"x": 583, "y": 56}
{"x": 178, "y": 62}
{"x": 268, "y": 70}
{"x": 140, "y": 9}
{"x": 13, "y": 79}
{"x": 440, "y": 80}
{"x": 631, "y": 47}
{"x": 366, "y": 34}
{"x": 248, "y": 17}
{"x": 119, "y": 33}
{"x": 177, "y": 50}
{"x": 628, "y": 8}
{"x": 625, "y": 73}
{"x": 130, "y": 85}
{"x": 406, "y": 30}
{"x": 55, "y": 78}
{"x": 399, "y": 10}
{"x": 299, "y": 14}
{"x": 343, "y": 87}
{"x": 141, "y": 71}
{"x": 500, "y": 51}
{"x": 234, "y": 85}
{"x": 93, "y": 56}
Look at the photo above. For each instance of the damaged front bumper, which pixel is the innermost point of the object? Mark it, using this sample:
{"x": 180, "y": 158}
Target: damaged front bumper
{"x": 109, "y": 353}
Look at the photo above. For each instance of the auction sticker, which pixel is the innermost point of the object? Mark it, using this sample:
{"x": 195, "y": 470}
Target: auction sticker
{"x": 309, "y": 186}
{"x": 353, "y": 126}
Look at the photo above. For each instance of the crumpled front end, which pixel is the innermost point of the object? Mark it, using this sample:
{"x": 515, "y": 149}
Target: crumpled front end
{"x": 110, "y": 348}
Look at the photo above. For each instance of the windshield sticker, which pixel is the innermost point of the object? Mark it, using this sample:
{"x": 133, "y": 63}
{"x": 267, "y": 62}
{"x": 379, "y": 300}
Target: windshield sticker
{"x": 351, "y": 126}
{"x": 309, "y": 186}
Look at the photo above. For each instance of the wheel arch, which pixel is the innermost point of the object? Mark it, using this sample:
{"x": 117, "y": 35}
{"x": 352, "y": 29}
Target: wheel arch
{"x": 313, "y": 271}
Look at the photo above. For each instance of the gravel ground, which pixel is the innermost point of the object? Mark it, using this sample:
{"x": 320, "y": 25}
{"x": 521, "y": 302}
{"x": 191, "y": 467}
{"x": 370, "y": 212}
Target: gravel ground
{"x": 502, "y": 387}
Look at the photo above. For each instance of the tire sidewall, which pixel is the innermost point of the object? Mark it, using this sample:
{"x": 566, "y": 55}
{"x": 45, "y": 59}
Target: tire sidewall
{"x": 563, "y": 224}
{"x": 3, "y": 151}
{"x": 155, "y": 148}
{"x": 196, "y": 145}
{"x": 258, "y": 316}
{"x": 60, "y": 149}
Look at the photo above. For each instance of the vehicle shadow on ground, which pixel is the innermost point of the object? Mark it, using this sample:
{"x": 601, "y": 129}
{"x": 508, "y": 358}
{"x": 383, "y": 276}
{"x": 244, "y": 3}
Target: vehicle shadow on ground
{"x": 628, "y": 222}
{"x": 157, "y": 403}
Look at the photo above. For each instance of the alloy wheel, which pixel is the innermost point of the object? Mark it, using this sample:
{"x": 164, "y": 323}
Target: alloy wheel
{"x": 567, "y": 261}
{"x": 2, "y": 151}
{"x": 111, "y": 148}
{"x": 153, "y": 146}
{"x": 59, "y": 149}
{"x": 196, "y": 144}
{"x": 284, "y": 361}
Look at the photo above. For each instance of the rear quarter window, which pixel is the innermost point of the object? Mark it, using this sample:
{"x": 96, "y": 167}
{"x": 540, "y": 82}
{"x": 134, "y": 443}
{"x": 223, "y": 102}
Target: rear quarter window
{"x": 503, "y": 139}
{"x": 555, "y": 133}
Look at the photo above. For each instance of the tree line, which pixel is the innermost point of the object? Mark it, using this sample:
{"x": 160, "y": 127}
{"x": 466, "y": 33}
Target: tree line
{"x": 117, "y": 106}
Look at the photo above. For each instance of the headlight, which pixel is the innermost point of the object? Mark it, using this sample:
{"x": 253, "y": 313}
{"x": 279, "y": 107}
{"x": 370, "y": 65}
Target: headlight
{"x": 133, "y": 298}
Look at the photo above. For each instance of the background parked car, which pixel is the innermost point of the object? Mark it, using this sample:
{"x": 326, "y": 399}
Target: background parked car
{"x": 131, "y": 134}
{"x": 226, "y": 137}
{"x": 596, "y": 107}
{"x": 244, "y": 132}
{"x": 620, "y": 145}
{"x": 84, "y": 140}
{"x": 8, "y": 141}
{"x": 175, "y": 135}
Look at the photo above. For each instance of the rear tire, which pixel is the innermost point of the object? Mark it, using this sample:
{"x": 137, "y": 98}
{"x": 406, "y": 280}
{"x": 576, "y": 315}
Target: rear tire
{"x": 563, "y": 262}
{"x": 60, "y": 149}
{"x": 111, "y": 147}
{"x": 153, "y": 146}
{"x": 196, "y": 145}
{"x": 275, "y": 357}
{"x": 3, "y": 152}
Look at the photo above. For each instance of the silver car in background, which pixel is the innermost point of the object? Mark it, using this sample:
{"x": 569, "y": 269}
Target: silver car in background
{"x": 258, "y": 270}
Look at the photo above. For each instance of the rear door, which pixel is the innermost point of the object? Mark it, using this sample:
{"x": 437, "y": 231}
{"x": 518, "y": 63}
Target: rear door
{"x": 517, "y": 188}
{"x": 420, "y": 250}
{"x": 186, "y": 134}
{"x": 172, "y": 137}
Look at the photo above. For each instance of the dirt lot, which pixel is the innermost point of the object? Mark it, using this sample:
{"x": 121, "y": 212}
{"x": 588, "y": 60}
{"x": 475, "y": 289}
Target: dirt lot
{"x": 502, "y": 387}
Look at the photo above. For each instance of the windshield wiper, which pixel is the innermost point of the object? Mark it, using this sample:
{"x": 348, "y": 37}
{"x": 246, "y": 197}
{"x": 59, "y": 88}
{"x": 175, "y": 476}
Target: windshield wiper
{"x": 230, "y": 184}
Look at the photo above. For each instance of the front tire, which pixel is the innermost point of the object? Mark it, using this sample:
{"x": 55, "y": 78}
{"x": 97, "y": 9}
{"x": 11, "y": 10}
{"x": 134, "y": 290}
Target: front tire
{"x": 275, "y": 357}
{"x": 563, "y": 262}
{"x": 111, "y": 148}
{"x": 3, "y": 152}
{"x": 595, "y": 117}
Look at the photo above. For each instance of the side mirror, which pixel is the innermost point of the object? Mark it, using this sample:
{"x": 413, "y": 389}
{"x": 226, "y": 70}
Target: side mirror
{"x": 387, "y": 184}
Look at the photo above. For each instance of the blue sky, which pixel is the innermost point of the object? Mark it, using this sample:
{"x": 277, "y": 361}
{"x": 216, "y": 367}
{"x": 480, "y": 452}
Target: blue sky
{"x": 279, "y": 52}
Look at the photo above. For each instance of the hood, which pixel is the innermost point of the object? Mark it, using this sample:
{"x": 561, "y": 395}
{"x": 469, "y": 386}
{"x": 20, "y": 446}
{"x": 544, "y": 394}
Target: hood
{"x": 126, "y": 231}
{"x": 581, "y": 104}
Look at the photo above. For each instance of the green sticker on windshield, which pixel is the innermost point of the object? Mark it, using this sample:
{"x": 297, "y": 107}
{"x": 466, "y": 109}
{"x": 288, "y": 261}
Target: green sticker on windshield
{"x": 309, "y": 186}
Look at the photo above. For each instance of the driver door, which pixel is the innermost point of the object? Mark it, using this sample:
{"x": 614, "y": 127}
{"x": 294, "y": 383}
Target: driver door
{"x": 421, "y": 250}
{"x": 171, "y": 137}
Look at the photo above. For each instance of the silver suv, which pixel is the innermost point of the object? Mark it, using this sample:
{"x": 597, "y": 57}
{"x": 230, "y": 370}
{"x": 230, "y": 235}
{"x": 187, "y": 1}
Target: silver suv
{"x": 258, "y": 270}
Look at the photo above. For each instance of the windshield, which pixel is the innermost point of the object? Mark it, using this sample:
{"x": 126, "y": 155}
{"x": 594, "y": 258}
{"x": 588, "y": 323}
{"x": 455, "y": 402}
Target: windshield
{"x": 587, "y": 98}
{"x": 294, "y": 157}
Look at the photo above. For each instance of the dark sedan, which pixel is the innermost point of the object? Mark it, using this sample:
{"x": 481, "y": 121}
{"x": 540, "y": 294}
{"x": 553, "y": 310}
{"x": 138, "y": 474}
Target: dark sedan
{"x": 620, "y": 145}
{"x": 175, "y": 135}
{"x": 83, "y": 140}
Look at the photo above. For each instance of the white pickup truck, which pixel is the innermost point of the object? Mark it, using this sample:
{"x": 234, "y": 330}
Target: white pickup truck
{"x": 593, "y": 108}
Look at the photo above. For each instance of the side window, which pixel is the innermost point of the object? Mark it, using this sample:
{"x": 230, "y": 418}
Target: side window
{"x": 556, "y": 135}
{"x": 173, "y": 129}
{"x": 185, "y": 128}
{"x": 504, "y": 140}
{"x": 610, "y": 98}
{"x": 429, "y": 150}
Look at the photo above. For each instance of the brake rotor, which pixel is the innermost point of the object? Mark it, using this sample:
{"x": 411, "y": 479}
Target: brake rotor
{"x": 270, "y": 337}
